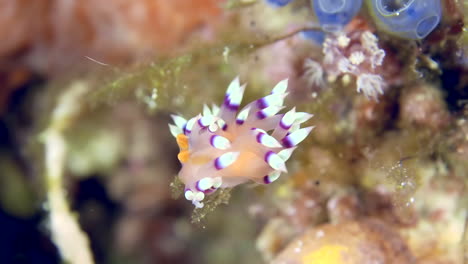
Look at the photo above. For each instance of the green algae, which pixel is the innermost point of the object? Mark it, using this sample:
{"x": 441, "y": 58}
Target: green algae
{"x": 16, "y": 195}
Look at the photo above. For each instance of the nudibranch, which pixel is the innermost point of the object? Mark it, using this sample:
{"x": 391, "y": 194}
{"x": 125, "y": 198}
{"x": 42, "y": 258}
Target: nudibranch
{"x": 223, "y": 147}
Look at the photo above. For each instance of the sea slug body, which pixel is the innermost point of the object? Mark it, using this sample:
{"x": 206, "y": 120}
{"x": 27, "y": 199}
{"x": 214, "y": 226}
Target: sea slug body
{"x": 224, "y": 147}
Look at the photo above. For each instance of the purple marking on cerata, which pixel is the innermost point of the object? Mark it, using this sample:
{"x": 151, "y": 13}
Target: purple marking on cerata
{"x": 214, "y": 129}
{"x": 261, "y": 115}
{"x": 261, "y": 103}
{"x": 200, "y": 123}
{"x": 268, "y": 154}
{"x": 198, "y": 187}
{"x": 229, "y": 105}
{"x": 283, "y": 125}
{"x": 224, "y": 128}
{"x": 233, "y": 107}
{"x": 208, "y": 191}
{"x": 226, "y": 101}
{"x": 266, "y": 179}
{"x": 259, "y": 137}
{"x": 217, "y": 164}
{"x": 239, "y": 121}
{"x": 212, "y": 138}
{"x": 287, "y": 143}
{"x": 186, "y": 130}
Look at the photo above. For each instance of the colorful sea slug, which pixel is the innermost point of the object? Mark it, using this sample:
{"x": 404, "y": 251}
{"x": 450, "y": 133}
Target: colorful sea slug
{"x": 222, "y": 148}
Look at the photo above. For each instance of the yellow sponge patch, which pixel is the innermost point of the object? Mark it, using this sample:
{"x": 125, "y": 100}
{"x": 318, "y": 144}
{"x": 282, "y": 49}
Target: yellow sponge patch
{"x": 329, "y": 254}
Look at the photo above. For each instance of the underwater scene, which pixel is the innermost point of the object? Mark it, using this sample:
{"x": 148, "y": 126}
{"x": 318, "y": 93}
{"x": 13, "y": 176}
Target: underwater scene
{"x": 234, "y": 131}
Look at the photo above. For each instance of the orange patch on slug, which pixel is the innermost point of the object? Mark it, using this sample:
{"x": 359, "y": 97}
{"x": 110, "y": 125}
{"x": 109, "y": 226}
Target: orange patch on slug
{"x": 246, "y": 166}
{"x": 183, "y": 156}
{"x": 200, "y": 160}
{"x": 182, "y": 141}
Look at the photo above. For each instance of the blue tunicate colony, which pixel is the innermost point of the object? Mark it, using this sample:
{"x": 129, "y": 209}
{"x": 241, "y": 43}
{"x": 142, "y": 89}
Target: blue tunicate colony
{"x": 412, "y": 19}
{"x": 333, "y": 15}
{"x": 279, "y": 3}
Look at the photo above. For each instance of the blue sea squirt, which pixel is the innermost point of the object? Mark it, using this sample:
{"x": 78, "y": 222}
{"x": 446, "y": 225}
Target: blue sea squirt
{"x": 333, "y": 15}
{"x": 278, "y": 3}
{"x": 412, "y": 19}
{"x": 223, "y": 147}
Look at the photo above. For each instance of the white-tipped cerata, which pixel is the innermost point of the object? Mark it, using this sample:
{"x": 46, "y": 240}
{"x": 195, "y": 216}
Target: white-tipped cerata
{"x": 206, "y": 110}
{"x": 301, "y": 117}
{"x": 271, "y": 177}
{"x": 267, "y": 140}
{"x": 217, "y": 182}
{"x": 225, "y": 160}
{"x": 179, "y": 121}
{"x": 288, "y": 119}
{"x": 215, "y": 110}
{"x": 242, "y": 116}
{"x": 175, "y": 130}
{"x": 220, "y": 142}
{"x": 199, "y": 196}
{"x": 269, "y": 111}
{"x": 205, "y": 184}
{"x": 189, "y": 195}
{"x": 213, "y": 127}
{"x": 236, "y": 97}
{"x": 221, "y": 123}
{"x": 296, "y": 137}
{"x": 190, "y": 123}
{"x": 275, "y": 161}
{"x": 206, "y": 121}
{"x": 295, "y": 127}
{"x": 276, "y": 99}
{"x": 258, "y": 130}
{"x": 233, "y": 86}
{"x": 285, "y": 154}
{"x": 281, "y": 87}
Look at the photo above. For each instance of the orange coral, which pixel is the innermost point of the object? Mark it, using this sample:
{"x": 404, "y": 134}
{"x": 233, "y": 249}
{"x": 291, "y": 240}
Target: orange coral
{"x": 17, "y": 22}
{"x": 60, "y": 33}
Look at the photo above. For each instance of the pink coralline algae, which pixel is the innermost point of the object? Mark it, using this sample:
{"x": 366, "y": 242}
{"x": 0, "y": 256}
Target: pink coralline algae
{"x": 357, "y": 54}
{"x": 222, "y": 148}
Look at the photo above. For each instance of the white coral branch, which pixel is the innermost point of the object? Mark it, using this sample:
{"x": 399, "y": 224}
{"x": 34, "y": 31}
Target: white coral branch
{"x": 71, "y": 241}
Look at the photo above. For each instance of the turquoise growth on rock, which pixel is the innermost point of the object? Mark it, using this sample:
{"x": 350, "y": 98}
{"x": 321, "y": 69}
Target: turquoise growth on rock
{"x": 278, "y": 3}
{"x": 314, "y": 35}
